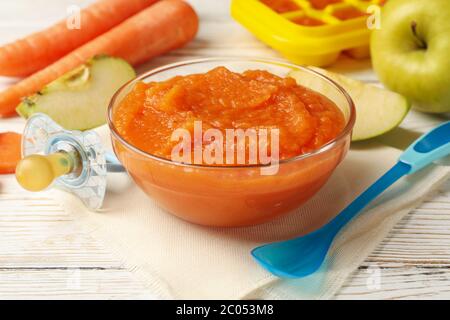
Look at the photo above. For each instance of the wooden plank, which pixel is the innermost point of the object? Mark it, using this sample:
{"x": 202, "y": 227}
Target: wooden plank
{"x": 44, "y": 255}
{"x": 398, "y": 283}
{"x": 70, "y": 283}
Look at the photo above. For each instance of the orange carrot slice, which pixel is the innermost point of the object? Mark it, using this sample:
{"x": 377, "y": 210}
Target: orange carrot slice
{"x": 167, "y": 25}
{"x": 30, "y": 54}
{"x": 10, "y": 151}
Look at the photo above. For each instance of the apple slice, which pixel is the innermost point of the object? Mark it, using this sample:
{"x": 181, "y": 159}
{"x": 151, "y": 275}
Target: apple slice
{"x": 79, "y": 99}
{"x": 377, "y": 110}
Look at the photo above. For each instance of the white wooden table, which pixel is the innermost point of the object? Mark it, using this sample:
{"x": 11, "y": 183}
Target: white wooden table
{"x": 42, "y": 250}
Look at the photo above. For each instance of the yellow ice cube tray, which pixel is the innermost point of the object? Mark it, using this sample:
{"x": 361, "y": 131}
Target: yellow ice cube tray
{"x": 318, "y": 45}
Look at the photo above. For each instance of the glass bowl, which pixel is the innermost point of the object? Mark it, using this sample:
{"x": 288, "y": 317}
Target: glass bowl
{"x": 234, "y": 196}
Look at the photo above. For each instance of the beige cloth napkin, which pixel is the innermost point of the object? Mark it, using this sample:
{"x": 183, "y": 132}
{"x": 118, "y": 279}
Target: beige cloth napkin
{"x": 176, "y": 259}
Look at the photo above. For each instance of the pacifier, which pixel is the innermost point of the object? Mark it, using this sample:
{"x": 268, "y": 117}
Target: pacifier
{"x": 74, "y": 161}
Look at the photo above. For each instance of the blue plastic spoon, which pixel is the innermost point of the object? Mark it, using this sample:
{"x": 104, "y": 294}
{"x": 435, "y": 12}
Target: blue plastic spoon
{"x": 302, "y": 256}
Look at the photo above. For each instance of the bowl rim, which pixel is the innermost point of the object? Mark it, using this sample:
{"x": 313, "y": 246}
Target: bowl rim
{"x": 329, "y": 145}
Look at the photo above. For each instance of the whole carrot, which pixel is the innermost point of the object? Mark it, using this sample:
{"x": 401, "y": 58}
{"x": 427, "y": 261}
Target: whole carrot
{"x": 38, "y": 50}
{"x": 167, "y": 25}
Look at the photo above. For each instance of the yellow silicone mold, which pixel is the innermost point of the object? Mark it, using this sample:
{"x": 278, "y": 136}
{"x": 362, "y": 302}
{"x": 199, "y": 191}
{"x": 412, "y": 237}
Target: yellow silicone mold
{"x": 340, "y": 25}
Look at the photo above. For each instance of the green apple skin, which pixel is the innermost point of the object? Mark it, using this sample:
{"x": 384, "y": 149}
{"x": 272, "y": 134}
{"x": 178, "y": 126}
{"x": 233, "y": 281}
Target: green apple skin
{"x": 411, "y": 52}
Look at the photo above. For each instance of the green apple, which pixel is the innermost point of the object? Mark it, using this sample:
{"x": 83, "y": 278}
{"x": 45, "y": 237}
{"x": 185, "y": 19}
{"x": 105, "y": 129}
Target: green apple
{"x": 377, "y": 110}
{"x": 411, "y": 52}
{"x": 79, "y": 99}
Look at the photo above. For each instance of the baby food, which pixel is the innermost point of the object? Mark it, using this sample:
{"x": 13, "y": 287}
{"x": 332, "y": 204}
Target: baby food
{"x": 223, "y": 100}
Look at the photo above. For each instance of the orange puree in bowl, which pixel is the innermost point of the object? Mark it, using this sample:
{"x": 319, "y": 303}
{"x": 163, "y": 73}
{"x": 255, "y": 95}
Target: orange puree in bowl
{"x": 222, "y": 99}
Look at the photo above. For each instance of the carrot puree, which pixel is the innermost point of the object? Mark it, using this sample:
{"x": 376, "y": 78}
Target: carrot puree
{"x": 222, "y": 99}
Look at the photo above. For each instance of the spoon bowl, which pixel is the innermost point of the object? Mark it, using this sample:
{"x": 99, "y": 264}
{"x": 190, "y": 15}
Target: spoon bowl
{"x": 309, "y": 253}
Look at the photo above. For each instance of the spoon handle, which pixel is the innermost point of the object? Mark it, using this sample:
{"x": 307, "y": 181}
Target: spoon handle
{"x": 430, "y": 147}
{"x": 392, "y": 175}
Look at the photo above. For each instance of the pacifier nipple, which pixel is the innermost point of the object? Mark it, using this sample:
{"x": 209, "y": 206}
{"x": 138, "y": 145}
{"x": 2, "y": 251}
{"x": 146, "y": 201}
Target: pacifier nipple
{"x": 37, "y": 172}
